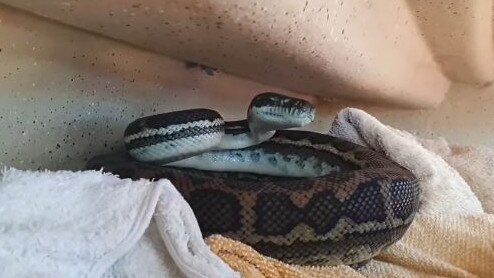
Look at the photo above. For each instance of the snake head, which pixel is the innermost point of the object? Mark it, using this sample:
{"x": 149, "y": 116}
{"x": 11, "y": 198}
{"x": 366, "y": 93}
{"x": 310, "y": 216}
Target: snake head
{"x": 272, "y": 111}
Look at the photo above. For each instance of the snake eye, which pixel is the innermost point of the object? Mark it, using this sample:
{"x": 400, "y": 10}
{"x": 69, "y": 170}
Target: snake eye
{"x": 272, "y": 111}
{"x": 281, "y": 101}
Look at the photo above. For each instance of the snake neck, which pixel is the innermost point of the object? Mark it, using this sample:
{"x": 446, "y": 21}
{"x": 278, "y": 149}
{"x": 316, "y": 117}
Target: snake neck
{"x": 239, "y": 135}
{"x": 243, "y": 140}
{"x": 259, "y": 128}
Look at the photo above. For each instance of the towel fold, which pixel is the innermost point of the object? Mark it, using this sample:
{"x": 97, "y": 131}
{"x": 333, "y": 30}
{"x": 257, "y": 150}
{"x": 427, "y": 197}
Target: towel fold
{"x": 90, "y": 224}
{"x": 474, "y": 163}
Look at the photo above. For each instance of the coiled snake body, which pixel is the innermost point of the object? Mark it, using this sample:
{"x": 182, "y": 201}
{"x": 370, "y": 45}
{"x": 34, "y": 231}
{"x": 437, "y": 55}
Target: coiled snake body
{"x": 298, "y": 196}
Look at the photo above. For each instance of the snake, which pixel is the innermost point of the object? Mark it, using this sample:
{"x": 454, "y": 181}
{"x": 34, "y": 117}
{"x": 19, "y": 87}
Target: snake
{"x": 298, "y": 196}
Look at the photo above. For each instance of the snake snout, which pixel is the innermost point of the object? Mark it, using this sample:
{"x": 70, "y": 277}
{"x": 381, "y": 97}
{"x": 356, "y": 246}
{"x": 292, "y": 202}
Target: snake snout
{"x": 306, "y": 113}
{"x": 278, "y": 111}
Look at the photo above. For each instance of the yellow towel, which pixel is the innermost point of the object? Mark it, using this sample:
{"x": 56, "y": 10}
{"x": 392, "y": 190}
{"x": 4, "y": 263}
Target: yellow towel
{"x": 251, "y": 264}
{"x": 440, "y": 245}
{"x": 434, "y": 246}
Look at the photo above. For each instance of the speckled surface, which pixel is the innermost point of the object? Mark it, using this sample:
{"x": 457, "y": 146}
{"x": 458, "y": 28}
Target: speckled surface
{"x": 465, "y": 117}
{"x": 365, "y": 50}
{"x": 66, "y": 95}
{"x": 460, "y": 35}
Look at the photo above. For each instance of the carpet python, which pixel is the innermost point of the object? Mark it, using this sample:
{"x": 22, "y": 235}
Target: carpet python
{"x": 297, "y": 196}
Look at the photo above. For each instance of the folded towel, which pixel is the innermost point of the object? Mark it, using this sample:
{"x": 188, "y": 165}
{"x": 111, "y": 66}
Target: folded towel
{"x": 451, "y": 235}
{"x": 474, "y": 163}
{"x": 90, "y": 224}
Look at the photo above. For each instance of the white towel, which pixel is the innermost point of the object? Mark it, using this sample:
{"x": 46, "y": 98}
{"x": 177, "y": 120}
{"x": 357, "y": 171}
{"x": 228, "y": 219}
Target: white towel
{"x": 444, "y": 190}
{"x": 91, "y": 224}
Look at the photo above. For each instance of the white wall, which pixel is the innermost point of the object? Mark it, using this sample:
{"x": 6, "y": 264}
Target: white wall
{"x": 66, "y": 95}
{"x": 465, "y": 117}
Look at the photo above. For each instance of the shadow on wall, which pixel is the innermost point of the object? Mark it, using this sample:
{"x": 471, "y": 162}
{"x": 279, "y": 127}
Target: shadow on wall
{"x": 330, "y": 48}
{"x": 460, "y": 35}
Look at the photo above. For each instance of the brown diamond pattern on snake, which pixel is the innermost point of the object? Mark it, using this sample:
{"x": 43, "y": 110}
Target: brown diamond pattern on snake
{"x": 329, "y": 252}
{"x": 404, "y": 198}
{"x": 268, "y": 184}
{"x": 216, "y": 211}
{"x": 277, "y": 214}
{"x": 301, "y": 198}
{"x": 342, "y": 145}
{"x": 366, "y": 204}
{"x": 374, "y": 159}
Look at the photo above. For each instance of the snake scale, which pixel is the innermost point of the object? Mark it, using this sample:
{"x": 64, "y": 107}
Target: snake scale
{"x": 297, "y": 196}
